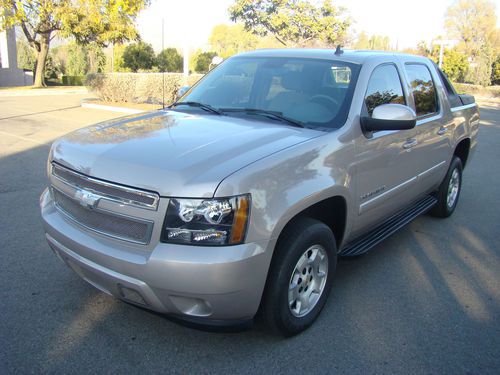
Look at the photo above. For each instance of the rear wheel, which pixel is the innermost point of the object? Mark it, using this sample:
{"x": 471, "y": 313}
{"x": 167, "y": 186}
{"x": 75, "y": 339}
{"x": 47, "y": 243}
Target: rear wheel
{"x": 449, "y": 190}
{"x": 300, "y": 277}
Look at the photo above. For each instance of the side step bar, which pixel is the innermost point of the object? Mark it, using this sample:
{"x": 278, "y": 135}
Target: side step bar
{"x": 364, "y": 243}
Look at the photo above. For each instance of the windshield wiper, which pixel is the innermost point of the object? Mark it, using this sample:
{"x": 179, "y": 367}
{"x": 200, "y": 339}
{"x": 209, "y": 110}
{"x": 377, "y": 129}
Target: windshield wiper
{"x": 206, "y": 107}
{"x": 263, "y": 112}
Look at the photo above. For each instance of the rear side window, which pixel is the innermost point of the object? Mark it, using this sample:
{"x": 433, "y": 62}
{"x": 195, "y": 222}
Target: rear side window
{"x": 384, "y": 87}
{"x": 422, "y": 88}
{"x": 452, "y": 95}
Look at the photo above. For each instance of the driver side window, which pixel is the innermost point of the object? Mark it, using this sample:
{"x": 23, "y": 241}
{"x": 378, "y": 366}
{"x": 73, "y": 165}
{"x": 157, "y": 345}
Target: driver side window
{"x": 384, "y": 87}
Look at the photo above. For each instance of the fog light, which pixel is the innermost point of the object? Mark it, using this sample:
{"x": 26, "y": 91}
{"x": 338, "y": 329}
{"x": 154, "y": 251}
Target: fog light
{"x": 131, "y": 295}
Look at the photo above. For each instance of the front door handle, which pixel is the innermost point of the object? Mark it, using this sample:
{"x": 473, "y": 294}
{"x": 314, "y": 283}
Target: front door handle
{"x": 442, "y": 130}
{"x": 411, "y": 142}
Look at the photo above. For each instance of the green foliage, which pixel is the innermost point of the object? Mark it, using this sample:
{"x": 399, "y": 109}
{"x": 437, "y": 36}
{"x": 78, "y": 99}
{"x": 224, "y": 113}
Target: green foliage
{"x": 495, "y": 72}
{"x": 473, "y": 23}
{"x": 203, "y": 60}
{"x": 169, "y": 60}
{"x": 73, "y": 80}
{"x": 374, "y": 42}
{"x": 96, "y": 58}
{"x": 26, "y": 57}
{"x": 229, "y": 40}
{"x": 293, "y": 22}
{"x": 87, "y": 21}
{"x": 77, "y": 61}
{"x": 455, "y": 63}
{"x": 52, "y": 68}
{"x": 138, "y": 56}
{"x": 139, "y": 87}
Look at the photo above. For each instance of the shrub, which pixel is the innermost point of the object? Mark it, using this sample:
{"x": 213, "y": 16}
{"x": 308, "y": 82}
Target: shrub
{"x": 73, "y": 80}
{"x": 138, "y": 87}
{"x": 477, "y": 90}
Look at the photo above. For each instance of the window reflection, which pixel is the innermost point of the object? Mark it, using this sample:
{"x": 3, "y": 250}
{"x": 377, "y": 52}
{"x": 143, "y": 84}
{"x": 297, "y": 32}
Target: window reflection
{"x": 384, "y": 87}
{"x": 422, "y": 88}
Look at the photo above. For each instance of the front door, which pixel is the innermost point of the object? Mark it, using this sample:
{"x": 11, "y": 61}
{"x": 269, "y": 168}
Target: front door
{"x": 386, "y": 170}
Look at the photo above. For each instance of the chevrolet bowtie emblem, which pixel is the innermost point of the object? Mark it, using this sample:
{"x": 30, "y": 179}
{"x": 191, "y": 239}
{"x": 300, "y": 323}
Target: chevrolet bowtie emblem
{"x": 87, "y": 198}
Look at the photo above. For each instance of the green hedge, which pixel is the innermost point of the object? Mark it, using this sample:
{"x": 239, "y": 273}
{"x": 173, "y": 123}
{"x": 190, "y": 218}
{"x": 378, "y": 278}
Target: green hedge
{"x": 138, "y": 87}
{"x": 73, "y": 80}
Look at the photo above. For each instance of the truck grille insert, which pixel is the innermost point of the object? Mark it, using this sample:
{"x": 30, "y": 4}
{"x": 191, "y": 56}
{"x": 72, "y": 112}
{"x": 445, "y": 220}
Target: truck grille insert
{"x": 121, "y": 194}
{"x": 104, "y": 222}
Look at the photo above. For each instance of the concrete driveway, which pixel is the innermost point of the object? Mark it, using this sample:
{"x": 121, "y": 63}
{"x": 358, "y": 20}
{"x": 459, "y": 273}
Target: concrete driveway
{"x": 425, "y": 301}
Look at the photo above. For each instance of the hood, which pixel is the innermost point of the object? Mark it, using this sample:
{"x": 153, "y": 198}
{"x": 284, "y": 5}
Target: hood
{"x": 173, "y": 153}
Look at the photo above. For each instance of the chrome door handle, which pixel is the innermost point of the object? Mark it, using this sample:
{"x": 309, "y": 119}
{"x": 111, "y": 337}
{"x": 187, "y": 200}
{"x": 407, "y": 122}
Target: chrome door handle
{"x": 410, "y": 143}
{"x": 442, "y": 130}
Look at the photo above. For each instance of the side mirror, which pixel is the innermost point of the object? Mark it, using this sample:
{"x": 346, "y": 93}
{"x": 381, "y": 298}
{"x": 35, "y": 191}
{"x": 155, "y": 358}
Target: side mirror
{"x": 389, "y": 117}
{"x": 182, "y": 91}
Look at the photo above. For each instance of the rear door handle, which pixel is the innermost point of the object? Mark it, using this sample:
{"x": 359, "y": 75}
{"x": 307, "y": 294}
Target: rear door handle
{"x": 442, "y": 130}
{"x": 410, "y": 143}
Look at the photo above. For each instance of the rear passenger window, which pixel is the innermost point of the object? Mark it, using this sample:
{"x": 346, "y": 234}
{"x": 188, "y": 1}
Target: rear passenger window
{"x": 422, "y": 88}
{"x": 384, "y": 87}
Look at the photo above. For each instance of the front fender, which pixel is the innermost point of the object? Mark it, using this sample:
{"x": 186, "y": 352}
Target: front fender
{"x": 287, "y": 182}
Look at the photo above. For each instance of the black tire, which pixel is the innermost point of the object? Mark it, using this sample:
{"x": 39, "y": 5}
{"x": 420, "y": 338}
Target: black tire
{"x": 299, "y": 237}
{"x": 443, "y": 208}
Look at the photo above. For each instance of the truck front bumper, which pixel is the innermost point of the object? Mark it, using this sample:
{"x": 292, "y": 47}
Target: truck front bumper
{"x": 205, "y": 285}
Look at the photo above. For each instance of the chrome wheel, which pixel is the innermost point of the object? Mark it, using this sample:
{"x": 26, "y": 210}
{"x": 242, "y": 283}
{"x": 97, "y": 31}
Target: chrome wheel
{"x": 308, "y": 280}
{"x": 453, "y": 188}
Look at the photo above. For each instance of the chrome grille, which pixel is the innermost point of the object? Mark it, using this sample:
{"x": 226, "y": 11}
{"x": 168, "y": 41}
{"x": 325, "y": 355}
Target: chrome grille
{"x": 110, "y": 191}
{"x": 104, "y": 222}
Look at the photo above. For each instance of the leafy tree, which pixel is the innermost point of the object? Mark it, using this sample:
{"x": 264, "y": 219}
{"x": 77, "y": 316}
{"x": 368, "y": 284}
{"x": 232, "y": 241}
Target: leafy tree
{"x": 229, "y": 40}
{"x": 77, "y": 62}
{"x": 169, "y": 60}
{"x": 138, "y": 56}
{"x": 202, "y": 61}
{"x": 96, "y": 58}
{"x": 455, "y": 63}
{"x": 293, "y": 22}
{"x": 99, "y": 21}
{"x": 473, "y": 23}
{"x": 26, "y": 58}
{"x": 374, "y": 42}
{"x": 114, "y": 60}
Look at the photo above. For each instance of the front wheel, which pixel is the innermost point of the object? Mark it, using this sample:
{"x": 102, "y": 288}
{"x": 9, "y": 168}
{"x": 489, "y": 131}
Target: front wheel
{"x": 449, "y": 190}
{"x": 300, "y": 277}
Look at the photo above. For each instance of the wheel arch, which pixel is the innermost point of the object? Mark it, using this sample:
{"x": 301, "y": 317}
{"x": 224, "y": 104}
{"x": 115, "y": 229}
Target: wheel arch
{"x": 332, "y": 211}
{"x": 462, "y": 151}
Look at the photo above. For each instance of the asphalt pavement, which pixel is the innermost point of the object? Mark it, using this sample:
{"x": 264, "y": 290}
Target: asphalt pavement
{"x": 425, "y": 301}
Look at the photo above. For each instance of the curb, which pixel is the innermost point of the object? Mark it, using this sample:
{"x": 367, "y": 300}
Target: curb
{"x": 111, "y": 108}
{"x": 42, "y": 92}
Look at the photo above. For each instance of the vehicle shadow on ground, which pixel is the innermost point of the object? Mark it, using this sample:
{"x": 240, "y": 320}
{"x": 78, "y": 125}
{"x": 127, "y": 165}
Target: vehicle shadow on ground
{"x": 428, "y": 295}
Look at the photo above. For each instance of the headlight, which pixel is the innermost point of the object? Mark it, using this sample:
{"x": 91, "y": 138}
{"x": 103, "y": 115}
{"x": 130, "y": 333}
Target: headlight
{"x": 221, "y": 221}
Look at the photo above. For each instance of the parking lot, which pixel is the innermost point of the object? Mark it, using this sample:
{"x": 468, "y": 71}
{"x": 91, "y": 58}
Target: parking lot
{"x": 425, "y": 301}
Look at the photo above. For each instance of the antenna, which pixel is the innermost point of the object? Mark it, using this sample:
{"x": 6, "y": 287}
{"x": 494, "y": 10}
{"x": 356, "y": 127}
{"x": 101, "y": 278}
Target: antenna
{"x": 163, "y": 70}
{"x": 338, "y": 50}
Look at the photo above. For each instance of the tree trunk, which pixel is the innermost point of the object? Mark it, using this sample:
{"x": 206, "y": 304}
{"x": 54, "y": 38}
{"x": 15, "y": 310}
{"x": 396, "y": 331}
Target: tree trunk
{"x": 41, "y": 60}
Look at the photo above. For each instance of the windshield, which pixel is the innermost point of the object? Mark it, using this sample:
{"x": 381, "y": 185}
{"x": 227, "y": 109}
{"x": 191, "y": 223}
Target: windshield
{"x": 313, "y": 92}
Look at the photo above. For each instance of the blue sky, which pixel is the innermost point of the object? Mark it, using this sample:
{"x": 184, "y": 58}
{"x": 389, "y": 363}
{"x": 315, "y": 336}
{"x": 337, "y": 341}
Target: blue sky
{"x": 190, "y": 22}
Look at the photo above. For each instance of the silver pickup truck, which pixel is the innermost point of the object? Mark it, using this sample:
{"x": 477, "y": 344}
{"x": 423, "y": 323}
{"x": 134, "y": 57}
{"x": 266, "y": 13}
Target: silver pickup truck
{"x": 239, "y": 197}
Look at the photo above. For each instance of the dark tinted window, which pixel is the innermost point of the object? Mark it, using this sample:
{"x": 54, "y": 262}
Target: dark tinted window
{"x": 452, "y": 95}
{"x": 423, "y": 90}
{"x": 384, "y": 87}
